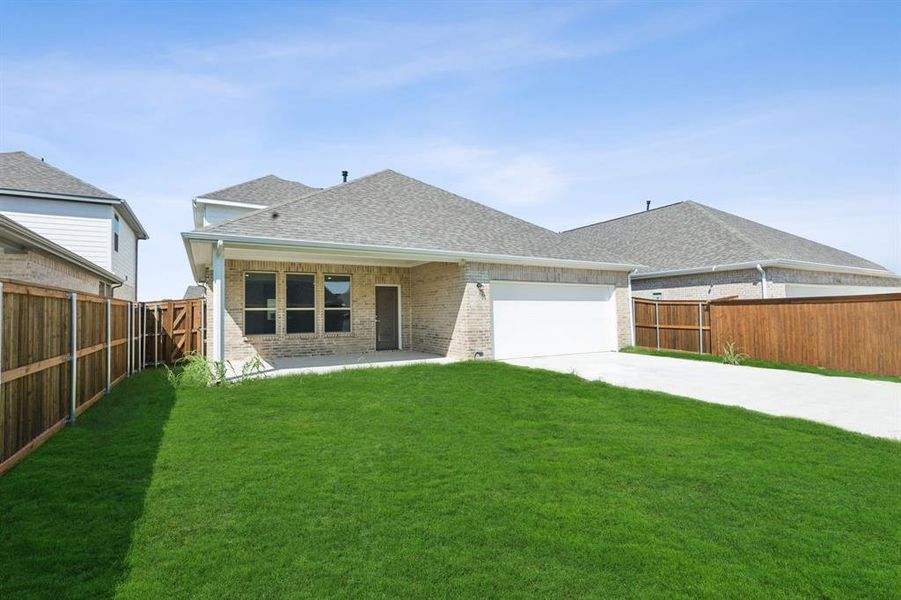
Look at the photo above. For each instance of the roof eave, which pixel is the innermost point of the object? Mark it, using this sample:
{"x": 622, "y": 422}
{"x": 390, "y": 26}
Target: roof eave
{"x": 786, "y": 263}
{"x": 424, "y": 254}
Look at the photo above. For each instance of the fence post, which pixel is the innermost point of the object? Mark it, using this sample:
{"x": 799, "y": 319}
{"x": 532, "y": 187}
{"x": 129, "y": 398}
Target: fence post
{"x": 1, "y": 341}
{"x": 143, "y": 341}
{"x": 657, "y": 322}
{"x": 109, "y": 342}
{"x": 128, "y": 338}
{"x": 156, "y": 335}
{"x": 73, "y": 357}
{"x": 700, "y": 329}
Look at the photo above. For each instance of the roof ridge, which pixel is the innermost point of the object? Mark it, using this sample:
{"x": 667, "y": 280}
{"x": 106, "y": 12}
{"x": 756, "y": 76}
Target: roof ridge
{"x": 476, "y": 202}
{"x": 635, "y": 214}
{"x": 44, "y": 163}
{"x": 710, "y": 214}
{"x": 314, "y": 192}
{"x": 212, "y": 195}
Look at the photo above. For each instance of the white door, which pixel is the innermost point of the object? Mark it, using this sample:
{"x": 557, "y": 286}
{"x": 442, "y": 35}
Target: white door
{"x": 542, "y": 319}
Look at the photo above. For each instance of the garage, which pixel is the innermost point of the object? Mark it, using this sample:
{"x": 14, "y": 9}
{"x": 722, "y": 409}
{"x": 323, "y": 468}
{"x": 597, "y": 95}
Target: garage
{"x": 543, "y": 319}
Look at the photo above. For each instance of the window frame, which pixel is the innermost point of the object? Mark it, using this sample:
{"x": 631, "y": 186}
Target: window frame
{"x": 116, "y": 226}
{"x": 253, "y": 309}
{"x": 300, "y": 308}
{"x": 348, "y": 308}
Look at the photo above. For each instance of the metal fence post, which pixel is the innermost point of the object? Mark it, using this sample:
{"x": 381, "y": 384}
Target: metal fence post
{"x": 128, "y": 338}
{"x": 700, "y": 329}
{"x": 657, "y": 322}
{"x": 73, "y": 357}
{"x": 156, "y": 335}
{"x": 109, "y": 343}
{"x": 143, "y": 341}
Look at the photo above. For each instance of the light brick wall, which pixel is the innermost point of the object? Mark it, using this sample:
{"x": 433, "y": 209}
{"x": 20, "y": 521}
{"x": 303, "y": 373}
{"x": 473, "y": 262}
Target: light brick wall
{"x": 453, "y": 316}
{"x": 745, "y": 283}
{"x": 444, "y": 311}
{"x": 360, "y": 339}
{"x": 36, "y": 267}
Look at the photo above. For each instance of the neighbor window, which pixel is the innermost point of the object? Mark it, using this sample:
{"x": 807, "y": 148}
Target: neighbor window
{"x": 116, "y": 233}
{"x": 300, "y": 302}
{"x": 337, "y": 302}
{"x": 259, "y": 303}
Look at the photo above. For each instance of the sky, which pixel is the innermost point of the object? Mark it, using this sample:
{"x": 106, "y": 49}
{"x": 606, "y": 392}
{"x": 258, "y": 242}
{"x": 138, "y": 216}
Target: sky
{"x": 561, "y": 114}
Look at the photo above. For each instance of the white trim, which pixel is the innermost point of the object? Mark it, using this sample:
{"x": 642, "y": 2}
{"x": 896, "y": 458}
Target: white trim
{"x": 129, "y": 215}
{"x": 349, "y": 308}
{"x": 423, "y": 254}
{"x": 400, "y": 317}
{"x": 202, "y": 200}
{"x": 778, "y": 262}
{"x": 218, "y": 261}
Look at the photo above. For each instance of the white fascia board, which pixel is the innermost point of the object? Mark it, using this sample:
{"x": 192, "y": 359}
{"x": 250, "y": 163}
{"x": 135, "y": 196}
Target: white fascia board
{"x": 421, "y": 254}
{"x": 784, "y": 263}
{"x": 129, "y": 215}
{"x": 201, "y": 200}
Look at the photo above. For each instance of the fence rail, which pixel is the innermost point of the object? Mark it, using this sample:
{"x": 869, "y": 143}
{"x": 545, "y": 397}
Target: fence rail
{"x": 849, "y": 333}
{"x": 61, "y": 351}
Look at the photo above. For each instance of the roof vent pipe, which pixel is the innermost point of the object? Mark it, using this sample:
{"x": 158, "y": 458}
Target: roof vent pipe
{"x": 647, "y": 205}
{"x": 344, "y": 176}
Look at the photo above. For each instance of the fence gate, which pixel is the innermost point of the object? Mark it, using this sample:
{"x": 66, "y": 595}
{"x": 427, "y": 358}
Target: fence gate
{"x": 672, "y": 325}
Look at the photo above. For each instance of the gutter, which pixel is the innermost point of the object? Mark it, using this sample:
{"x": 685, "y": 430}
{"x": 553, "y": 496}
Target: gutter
{"x": 401, "y": 253}
{"x": 785, "y": 263}
{"x": 763, "y": 290}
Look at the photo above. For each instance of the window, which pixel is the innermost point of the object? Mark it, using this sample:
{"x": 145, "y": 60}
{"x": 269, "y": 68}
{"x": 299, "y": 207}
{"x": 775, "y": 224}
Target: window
{"x": 657, "y": 295}
{"x": 300, "y": 302}
{"x": 259, "y": 303}
{"x": 337, "y": 303}
{"x": 116, "y": 233}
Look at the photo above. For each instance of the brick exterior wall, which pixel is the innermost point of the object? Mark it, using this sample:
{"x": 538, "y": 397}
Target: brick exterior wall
{"x": 33, "y": 266}
{"x": 746, "y": 283}
{"x": 443, "y": 310}
{"x": 360, "y": 339}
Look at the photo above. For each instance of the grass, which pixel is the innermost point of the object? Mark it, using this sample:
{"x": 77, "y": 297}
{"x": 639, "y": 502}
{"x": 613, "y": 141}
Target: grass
{"x": 764, "y": 364}
{"x": 464, "y": 480}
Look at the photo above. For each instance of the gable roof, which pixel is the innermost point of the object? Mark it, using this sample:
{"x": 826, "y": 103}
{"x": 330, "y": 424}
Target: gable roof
{"x": 266, "y": 190}
{"x": 388, "y": 209}
{"x": 193, "y": 292}
{"x": 690, "y": 235}
{"x": 23, "y": 172}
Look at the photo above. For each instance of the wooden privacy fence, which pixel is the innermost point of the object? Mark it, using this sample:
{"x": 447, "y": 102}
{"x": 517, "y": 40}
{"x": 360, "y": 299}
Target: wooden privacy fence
{"x": 672, "y": 325}
{"x": 61, "y": 351}
{"x": 849, "y": 333}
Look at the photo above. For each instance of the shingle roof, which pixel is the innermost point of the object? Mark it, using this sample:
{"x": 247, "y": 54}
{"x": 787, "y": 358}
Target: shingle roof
{"x": 193, "y": 292}
{"x": 22, "y": 172}
{"x": 688, "y": 235}
{"x": 390, "y": 209}
{"x": 267, "y": 190}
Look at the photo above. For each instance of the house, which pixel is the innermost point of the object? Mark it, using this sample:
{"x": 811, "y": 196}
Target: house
{"x": 31, "y": 258}
{"x": 696, "y": 252}
{"x": 194, "y": 292}
{"x": 73, "y": 215}
{"x": 387, "y": 262}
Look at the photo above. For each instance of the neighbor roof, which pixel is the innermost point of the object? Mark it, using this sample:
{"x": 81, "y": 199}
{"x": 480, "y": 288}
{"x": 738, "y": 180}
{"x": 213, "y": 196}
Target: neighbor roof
{"x": 193, "y": 292}
{"x": 267, "y": 190}
{"x": 689, "y": 235}
{"x": 392, "y": 210}
{"x": 22, "y": 172}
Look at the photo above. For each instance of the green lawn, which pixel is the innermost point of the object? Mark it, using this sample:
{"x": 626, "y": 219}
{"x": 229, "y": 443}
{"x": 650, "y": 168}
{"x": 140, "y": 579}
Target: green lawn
{"x": 465, "y": 480}
{"x": 763, "y": 364}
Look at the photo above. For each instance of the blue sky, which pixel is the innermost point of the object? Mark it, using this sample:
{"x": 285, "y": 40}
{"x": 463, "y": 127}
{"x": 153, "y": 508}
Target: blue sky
{"x": 562, "y": 114}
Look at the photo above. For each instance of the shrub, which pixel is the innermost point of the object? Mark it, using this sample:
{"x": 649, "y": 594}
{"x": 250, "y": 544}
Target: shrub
{"x": 731, "y": 355}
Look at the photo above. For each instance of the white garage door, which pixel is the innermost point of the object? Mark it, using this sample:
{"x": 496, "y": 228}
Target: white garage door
{"x": 542, "y": 319}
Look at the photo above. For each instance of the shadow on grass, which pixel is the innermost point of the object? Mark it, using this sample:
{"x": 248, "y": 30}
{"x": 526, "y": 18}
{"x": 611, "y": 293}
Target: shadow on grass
{"x": 68, "y": 510}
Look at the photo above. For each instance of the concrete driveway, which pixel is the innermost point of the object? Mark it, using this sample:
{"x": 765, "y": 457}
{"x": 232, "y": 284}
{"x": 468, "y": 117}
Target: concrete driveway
{"x": 870, "y": 407}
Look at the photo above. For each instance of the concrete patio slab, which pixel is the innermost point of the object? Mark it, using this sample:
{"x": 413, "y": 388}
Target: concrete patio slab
{"x": 325, "y": 364}
{"x": 861, "y": 405}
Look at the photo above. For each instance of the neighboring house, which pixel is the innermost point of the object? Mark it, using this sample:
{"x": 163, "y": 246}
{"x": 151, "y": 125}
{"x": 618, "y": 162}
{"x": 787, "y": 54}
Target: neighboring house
{"x": 194, "y": 292}
{"x": 695, "y": 252}
{"x": 31, "y": 258}
{"x": 75, "y": 215}
{"x": 387, "y": 262}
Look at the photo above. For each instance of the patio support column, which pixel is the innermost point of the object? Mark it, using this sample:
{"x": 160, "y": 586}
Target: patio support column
{"x": 218, "y": 324}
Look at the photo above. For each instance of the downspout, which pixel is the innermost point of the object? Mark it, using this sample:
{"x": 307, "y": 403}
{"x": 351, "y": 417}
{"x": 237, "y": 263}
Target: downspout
{"x": 631, "y": 309}
{"x": 763, "y": 290}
